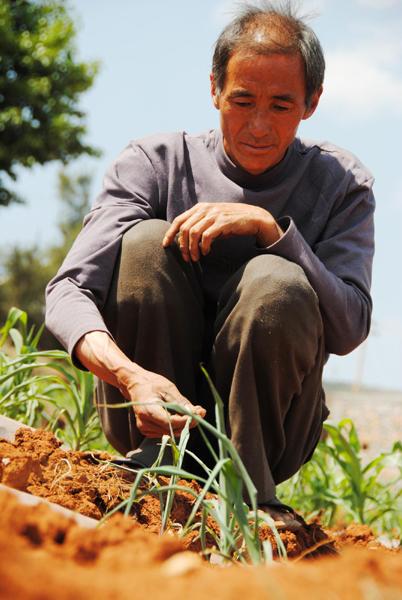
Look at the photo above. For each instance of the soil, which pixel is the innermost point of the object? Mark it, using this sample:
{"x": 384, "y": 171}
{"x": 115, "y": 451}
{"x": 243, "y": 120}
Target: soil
{"x": 82, "y": 482}
{"x": 45, "y": 555}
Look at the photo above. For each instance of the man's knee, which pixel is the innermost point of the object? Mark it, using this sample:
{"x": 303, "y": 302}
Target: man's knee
{"x": 148, "y": 274}
{"x": 276, "y": 277}
{"x": 140, "y": 259}
{"x": 144, "y": 240}
{"x": 273, "y": 291}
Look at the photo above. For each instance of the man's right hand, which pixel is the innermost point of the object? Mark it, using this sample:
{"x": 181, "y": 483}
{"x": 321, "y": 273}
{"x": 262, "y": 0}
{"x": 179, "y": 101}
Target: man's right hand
{"x": 99, "y": 353}
{"x": 152, "y": 418}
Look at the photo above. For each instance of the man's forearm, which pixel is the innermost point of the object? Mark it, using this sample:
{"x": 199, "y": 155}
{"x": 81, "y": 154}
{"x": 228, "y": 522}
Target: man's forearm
{"x": 100, "y": 355}
{"x": 147, "y": 390}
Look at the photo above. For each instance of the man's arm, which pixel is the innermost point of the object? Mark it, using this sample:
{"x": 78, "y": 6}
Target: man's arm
{"x": 77, "y": 294}
{"x": 98, "y": 353}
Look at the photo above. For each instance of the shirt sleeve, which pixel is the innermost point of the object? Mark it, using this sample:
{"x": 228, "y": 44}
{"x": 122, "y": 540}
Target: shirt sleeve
{"x": 77, "y": 294}
{"x": 338, "y": 267}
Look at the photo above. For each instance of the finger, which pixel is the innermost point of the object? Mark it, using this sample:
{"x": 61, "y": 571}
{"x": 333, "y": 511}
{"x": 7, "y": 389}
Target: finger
{"x": 151, "y": 429}
{"x": 195, "y": 235}
{"x": 183, "y": 402}
{"x": 178, "y": 222}
{"x": 191, "y": 408}
{"x": 213, "y": 232}
{"x": 195, "y": 410}
{"x": 200, "y": 411}
{"x": 148, "y": 426}
{"x": 186, "y": 230}
{"x": 190, "y": 233}
{"x": 155, "y": 413}
{"x": 178, "y": 422}
{"x": 170, "y": 234}
{"x": 164, "y": 422}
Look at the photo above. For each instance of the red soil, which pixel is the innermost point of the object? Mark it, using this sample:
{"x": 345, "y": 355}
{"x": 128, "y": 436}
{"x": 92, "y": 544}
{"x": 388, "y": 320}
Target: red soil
{"x": 35, "y": 463}
{"x": 45, "y": 555}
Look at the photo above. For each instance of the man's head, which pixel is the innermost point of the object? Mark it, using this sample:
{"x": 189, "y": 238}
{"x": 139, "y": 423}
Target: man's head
{"x": 267, "y": 75}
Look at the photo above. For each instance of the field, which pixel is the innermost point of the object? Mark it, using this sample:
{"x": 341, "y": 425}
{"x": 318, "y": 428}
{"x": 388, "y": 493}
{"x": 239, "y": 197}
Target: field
{"x": 46, "y": 555}
{"x": 178, "y": 535}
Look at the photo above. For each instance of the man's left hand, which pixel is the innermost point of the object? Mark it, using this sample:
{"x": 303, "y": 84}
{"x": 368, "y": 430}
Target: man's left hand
{"x": 205, "y": 222}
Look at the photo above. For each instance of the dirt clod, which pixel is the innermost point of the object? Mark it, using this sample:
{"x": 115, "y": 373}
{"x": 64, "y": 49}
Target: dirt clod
{"x": 44, "y": 555}
{"x": 83, "y": 483}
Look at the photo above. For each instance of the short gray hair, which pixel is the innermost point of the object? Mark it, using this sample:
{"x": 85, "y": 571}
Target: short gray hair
{"x": 284, "y": 33}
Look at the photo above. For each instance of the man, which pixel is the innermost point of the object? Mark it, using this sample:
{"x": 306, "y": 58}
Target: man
{"x": 246, "y": 248}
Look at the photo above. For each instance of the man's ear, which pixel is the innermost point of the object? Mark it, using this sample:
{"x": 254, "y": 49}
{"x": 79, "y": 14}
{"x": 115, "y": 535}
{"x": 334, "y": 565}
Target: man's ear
{"x": 214, "y": 94}
{"x": 314, "y": 103}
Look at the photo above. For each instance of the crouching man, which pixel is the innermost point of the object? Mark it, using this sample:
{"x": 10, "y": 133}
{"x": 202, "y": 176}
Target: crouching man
{"x": 246, "y": 248}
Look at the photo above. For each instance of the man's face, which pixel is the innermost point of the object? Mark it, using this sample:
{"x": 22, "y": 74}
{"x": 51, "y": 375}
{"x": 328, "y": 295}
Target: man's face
{"x": 261, "y": 106}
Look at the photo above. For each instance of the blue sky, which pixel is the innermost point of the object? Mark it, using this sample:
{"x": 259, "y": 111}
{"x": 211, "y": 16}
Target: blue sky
{"x": 156, "y": 60}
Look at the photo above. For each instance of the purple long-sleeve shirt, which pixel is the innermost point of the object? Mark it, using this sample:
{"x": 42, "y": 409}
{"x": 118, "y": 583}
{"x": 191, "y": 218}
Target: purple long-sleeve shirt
{"x": 320, "y": 194}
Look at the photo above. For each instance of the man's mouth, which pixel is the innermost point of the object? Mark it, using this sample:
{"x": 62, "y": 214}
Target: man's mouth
{"x": 257, "y": 147}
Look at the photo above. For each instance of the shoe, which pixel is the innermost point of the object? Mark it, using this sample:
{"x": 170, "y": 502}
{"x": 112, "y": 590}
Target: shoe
{"x": 283, "y": 516}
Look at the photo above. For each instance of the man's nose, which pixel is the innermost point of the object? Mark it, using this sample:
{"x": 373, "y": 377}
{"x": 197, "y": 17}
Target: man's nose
{"x": 260, "y": 123}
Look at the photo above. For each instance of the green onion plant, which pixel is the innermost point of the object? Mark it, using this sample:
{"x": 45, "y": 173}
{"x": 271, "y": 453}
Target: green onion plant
{"x": 39, "y": 388}
{"x": 221, "y": 496}
{"x": 45, "y": 389}
{"x": 338, "y": 486}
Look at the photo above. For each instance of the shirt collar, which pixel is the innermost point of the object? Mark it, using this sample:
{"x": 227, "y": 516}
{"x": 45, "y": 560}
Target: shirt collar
{"x": 242, "y": 177}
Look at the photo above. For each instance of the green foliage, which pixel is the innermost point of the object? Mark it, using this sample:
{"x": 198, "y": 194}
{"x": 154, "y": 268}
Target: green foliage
{"x": 44, "y": 389}
{"x": 26, "y": 272}
{"x": 336, "y": 485}
{"x": 239, "y": 525}
{"x": 40, "y": 85}
{"x": 74, "y": 195}
{"x": 18, "y": 391}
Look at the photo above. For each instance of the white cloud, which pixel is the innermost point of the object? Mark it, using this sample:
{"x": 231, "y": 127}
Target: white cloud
{"x": 363, "y": 82}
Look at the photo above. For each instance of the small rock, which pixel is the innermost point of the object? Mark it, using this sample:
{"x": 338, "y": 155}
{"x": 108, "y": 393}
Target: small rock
{"x": 6, "y": 461}
{"x": 182, "y": 563}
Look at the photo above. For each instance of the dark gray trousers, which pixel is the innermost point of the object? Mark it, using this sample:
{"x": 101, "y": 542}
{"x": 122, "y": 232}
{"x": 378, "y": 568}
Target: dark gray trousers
{"x": 264, "y": 349}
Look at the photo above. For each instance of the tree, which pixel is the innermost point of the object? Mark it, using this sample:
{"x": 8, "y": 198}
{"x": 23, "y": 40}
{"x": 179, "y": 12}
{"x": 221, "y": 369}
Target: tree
{"x": 74, "y": 195}
{"x": 40, "y": 85}
{"x": 24, "y": 273}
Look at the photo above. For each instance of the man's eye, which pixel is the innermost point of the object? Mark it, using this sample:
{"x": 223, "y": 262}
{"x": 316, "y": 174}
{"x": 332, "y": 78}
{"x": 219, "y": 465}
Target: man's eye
{"x": 243, "y": 103}
{"x": 280, "y": 108}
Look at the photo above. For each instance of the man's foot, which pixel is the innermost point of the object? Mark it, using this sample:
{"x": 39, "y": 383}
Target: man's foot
{"x": 283, "y": 519}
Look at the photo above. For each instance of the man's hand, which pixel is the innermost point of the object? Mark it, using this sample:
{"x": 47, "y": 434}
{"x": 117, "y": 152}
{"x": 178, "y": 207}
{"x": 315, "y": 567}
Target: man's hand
{"x": 152, "y": 419}
{"x": 98, "y": 353}
{"x": 205, "y": 222}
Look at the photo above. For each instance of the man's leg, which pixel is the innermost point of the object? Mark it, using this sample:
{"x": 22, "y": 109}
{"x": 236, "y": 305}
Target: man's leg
{"x": 267, "y": 360}
{"x": 154, "y": 312}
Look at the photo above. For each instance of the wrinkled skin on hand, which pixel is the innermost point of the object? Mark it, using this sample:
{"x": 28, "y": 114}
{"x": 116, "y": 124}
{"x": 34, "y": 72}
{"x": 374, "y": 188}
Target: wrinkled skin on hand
{"x": 151, "y": 391}
{"x": 205, "y": 222}
{"x": 100, "y": 354}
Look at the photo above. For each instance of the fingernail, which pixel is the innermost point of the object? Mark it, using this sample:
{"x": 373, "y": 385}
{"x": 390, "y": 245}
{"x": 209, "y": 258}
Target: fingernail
{"x": 164, "y": 241}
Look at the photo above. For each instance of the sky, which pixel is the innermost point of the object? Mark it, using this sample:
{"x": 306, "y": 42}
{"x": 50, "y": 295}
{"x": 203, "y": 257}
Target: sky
{"x": 155, "y": 63}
